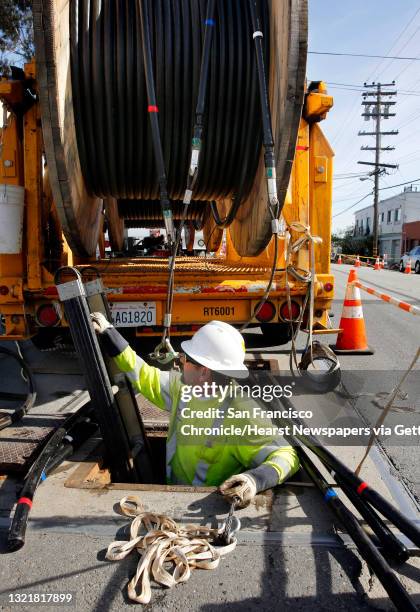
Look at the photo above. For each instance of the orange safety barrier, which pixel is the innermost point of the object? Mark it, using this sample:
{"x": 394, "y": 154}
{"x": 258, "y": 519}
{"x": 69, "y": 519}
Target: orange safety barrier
{"x": 388, "y": 298}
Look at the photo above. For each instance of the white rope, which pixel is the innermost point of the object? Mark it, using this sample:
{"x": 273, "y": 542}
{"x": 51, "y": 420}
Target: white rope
{"x": 162, "y": 541}
{"x": 307, "y": 277}
{"x": 387, "y": 408}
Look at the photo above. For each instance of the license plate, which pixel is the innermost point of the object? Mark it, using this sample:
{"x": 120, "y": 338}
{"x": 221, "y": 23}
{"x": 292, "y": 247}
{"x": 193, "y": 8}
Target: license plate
{"x": 133, "y": 314}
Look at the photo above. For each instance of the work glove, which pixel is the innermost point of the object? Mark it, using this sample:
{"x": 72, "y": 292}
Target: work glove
{"x": 245, "y": 486}
{"x": 240, "y": 486}
{"x": 99, "y": 322}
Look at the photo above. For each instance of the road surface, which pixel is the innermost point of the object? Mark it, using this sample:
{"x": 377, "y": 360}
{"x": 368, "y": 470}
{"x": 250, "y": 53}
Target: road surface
{"x": 291, "y": 555}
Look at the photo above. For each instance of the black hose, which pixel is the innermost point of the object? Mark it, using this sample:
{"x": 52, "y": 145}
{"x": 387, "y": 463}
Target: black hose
{"x": 356, "y": 484}
{"x": 7, "y": 419}
{"x": 153, "y": 111}
{"x": 16, "y": 536}
{"x": 108, "y": 73}
{"x": 396, "y": 591}
{"x": 74, "y": 438}
{"x": 361, "y": 488}
{"x": 392, "y": 548}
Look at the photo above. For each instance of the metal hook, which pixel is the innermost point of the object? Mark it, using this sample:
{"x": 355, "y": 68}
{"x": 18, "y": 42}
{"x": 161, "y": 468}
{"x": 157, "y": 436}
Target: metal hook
{"x": 164, "y": 352}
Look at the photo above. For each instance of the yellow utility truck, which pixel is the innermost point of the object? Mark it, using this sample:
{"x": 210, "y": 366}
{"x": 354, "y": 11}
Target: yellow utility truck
{"x": 77, "y": 167}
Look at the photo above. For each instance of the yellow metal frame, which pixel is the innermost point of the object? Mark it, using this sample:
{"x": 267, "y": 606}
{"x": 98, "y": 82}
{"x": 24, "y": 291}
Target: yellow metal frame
{"x": 231, "y": 293}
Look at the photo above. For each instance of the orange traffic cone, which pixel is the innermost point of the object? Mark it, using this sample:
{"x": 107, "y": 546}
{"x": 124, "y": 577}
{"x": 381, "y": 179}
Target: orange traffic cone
{"x": 339, "y": 260}
{"x": 381, "y": 263}
{"x": 357, "y": 262}
{"x": 408, "y": 267}
{"x": 352, "y": 337}
{"x": 377, "y": 265}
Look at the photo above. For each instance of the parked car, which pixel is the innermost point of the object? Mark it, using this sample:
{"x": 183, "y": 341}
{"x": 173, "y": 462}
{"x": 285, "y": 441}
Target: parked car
{"x": 414, "y": 255}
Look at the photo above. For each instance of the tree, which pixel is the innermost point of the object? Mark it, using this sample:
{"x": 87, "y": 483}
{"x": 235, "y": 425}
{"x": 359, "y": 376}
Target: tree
{"x": 353, "y": 245}
{"x": 16, "y": 33}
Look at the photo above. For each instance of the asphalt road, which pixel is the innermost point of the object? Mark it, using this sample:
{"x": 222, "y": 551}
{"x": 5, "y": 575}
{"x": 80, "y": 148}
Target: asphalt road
{"x": 395, "y": 337}
{"x": 255, "y": 577}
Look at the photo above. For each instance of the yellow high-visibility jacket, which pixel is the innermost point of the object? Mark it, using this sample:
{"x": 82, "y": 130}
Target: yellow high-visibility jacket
{"x": 207, "y": 459}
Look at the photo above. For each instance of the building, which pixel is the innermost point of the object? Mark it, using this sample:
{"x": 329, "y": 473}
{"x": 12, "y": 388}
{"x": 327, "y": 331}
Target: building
{"x": 398, "y": 223}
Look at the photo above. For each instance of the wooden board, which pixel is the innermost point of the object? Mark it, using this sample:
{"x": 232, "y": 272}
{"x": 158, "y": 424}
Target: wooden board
{"x": 251, "y": 230}
{"x": 80, "y": 213}
{"x": 115, "y": 224}
{"x": 212, "y": 234}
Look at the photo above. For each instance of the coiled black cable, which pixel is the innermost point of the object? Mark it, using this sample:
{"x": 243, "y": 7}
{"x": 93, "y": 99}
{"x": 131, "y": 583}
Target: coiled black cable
{"x": 110, "y": 101}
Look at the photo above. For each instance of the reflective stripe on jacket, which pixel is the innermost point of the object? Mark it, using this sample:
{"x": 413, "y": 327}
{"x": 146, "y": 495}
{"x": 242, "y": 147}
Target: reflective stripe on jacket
{"x": 204, "y": 460}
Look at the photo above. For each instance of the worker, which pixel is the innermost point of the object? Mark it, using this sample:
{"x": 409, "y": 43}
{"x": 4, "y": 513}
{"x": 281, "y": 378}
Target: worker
{"x": 242, "y": 467}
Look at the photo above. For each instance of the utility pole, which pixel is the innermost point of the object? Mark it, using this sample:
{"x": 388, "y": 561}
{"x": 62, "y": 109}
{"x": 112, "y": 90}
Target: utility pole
{"x": 376, "y": 109}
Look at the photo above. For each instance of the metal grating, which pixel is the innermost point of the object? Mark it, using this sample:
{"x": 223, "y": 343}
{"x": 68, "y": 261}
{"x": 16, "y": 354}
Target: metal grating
{"x": 186, "y": 265}
{"x": 153, "y": 417}
{"x": 19, "y": 445}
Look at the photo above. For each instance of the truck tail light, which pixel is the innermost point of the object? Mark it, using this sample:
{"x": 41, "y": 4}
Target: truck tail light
{"x": 4, "y": 290}
{"x": 291, "y": 315}
{"x": 48, "y": 315}
{"x": 328, "y": 287}
{"x": 266, "y": 313}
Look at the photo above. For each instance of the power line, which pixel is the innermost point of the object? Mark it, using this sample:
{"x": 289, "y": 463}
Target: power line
{"x": 400, "y": 184}
{"x": 394, "y": 44}
{"x": 399, "y": 51}
{"x": 370, "y": 193}
{"x": 345, "y": 87}
{"x": 394, "y": 57}
{"x": 352, "y": 113}
{"x": 353, "y": 205}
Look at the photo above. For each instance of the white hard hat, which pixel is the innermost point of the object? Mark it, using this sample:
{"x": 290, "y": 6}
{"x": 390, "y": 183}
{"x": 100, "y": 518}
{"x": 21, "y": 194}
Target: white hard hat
{"x": 219, "y": 347}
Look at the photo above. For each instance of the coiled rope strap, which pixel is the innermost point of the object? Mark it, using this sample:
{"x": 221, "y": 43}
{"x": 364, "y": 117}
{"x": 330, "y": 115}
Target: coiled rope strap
{"x": 162, "y": 541}
{"x": 305, "y": 276}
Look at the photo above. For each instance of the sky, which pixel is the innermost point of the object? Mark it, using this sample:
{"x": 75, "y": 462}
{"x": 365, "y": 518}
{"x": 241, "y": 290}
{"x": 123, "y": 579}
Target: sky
{"x": 372, "y": 27}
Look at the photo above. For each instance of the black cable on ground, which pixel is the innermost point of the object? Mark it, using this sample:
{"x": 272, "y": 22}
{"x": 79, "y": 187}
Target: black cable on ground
{"x": 396, "y": 591}
{"x": 115, "y": 142}
{"x": 7, "y": 419}
{"x": 361, "y": 488}
{"x": 356, "y": 484}
{"x": 392, "y": 548}
{"x": 16, "y": 536}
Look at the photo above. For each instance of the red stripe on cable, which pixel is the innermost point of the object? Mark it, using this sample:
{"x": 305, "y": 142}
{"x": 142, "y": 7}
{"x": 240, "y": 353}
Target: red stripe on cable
{"x": 362, "y": 487}
{"x": 25, "y": 500}
{"x": 152, "y": 109}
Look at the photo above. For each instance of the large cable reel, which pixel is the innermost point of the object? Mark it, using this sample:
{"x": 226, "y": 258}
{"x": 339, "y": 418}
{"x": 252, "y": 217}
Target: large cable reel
{"x": 95, "y": 116}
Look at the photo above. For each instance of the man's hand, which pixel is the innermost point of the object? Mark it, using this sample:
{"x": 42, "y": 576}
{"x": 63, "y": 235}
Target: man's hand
{"x": 242, "y": 486}
{"x": 99, "y": 322}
